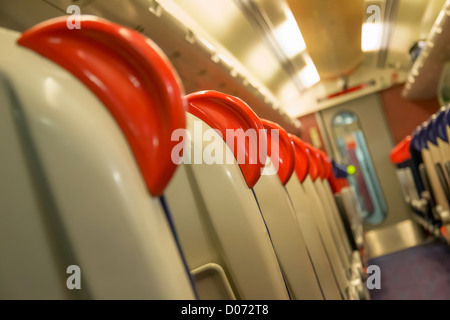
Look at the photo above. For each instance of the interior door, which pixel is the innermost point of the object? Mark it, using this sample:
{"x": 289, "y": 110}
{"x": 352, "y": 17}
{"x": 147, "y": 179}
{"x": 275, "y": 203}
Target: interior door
{"x": 360, "y": 138}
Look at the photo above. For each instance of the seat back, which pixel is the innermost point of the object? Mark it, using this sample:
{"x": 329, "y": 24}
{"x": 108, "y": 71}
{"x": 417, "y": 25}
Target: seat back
{"x": 350, "y": 206}
{"x": 401, "y": 157}
{"x": 434, "y": 145}
{"x": 352, "y": 210}
{"x": 336, "y": 216}
{"x": 221, "y": 229}
{"x": 431, "y": 156}
{"x": 307, "y": 223}
{"x": 341, "y": 270}
{"x": 421, "y": 178}
{"x": 442, "y": 132}
{"x": 328, "y": 211}
{"x": 280, "y": 217}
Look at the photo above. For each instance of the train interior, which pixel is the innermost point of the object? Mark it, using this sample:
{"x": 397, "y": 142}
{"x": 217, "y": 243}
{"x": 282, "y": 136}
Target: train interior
{"x": 225, "y": 149}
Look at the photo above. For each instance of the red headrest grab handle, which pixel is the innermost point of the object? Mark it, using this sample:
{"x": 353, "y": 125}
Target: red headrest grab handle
{"x": 315, "y": 165}
{"x": 221, "y": 112}
{"x": 322, "y": 170}
{"x": 337, "y": 184}
{"x": 285, "y": 159}
{"x": 326, "y": 164}
{"x": 302, "y": 157}
{"x": 133, "y": 79}
{"x": 400, "y": 153}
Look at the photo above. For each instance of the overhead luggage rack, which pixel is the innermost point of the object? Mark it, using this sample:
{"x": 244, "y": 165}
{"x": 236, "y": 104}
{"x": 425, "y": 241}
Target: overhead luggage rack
{"x": 214, "y": 68}
{"x": 423, "y": 79}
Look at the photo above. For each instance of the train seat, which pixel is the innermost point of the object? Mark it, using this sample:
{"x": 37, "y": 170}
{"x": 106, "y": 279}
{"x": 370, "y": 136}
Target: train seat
{"x": 423, "y": 184}
{"x": 280, "y": 216}
{"x": 431, "y": 156}
{"x": 349, "y": 207}
{"x": 80, "y": 183}
{"x": 340, "y": 264}
{"x": 328, "y": 210}
{"x": 435, "y": 144}
{"x": 410, "y": 181}
{"x": 420, "y": 132}
{"x": 434, "y": 192}
{"x": 439, "y": 134}
{"x": 336, "y": 221}
{"x": 220, "y": 226}
{"x": 415, "y": 151}
{"x": 442, "y": 132}
{"x": 401, "y": 157}
{"x": 303, "y": 210}
{"x": 351, "y": 215}
{"x": 423, "y": 173}
{"x": 337, "y": 217}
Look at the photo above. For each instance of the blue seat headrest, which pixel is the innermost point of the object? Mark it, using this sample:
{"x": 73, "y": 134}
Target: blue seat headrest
{"x": 446, "y": 121}
{"x": 423, "y": 137}
{"x": 431, "y": 132}
{"x": 415, "y": 142}
{"x": 447, "y": 116}
{"x": 440, "y": 126}
{"x": 338, "y": 170}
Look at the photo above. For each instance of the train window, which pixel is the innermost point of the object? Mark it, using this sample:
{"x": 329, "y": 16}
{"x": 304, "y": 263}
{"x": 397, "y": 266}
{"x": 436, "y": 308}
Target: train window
{"x": 353, "y": 151}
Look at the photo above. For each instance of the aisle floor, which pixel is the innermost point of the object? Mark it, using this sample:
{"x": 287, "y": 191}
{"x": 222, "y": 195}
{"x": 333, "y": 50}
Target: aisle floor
{"x": 418, "y": 273}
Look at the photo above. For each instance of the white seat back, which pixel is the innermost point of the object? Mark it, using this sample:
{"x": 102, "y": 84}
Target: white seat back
{"x": 280, "y": 217}
{"x": 218, "y": 217}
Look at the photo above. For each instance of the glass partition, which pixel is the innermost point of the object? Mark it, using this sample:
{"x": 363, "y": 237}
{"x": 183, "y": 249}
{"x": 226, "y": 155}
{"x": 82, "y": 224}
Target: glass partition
{"x": 354, "y": 153}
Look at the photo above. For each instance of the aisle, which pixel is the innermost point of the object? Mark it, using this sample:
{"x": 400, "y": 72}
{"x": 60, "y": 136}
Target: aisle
{"x": 419, "y": 273}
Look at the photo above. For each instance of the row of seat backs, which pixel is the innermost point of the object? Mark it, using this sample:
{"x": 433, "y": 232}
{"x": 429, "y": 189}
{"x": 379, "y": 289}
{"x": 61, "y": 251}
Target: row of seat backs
{"x": 271, "y": 199}
{"x": 423, "y": 162}
{"x": 136, "y": 93}
{"x": 349, "y": 207}
{"x": 428, "y": 145}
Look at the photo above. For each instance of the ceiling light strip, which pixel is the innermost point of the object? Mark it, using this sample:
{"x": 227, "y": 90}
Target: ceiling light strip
{"x": 390, "y": 14}
{"x": 265, "y": 29}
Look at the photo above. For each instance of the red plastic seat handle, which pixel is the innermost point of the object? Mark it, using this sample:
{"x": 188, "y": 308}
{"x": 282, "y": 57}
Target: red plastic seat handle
{"x": 130, "y": 76}
{"x": 221, "y": 112}
{"x": 400, "y": 152}
{"x": 302, "y": 157}
{"x": 315, "y": 165}
{"x": 285, "y": 157}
